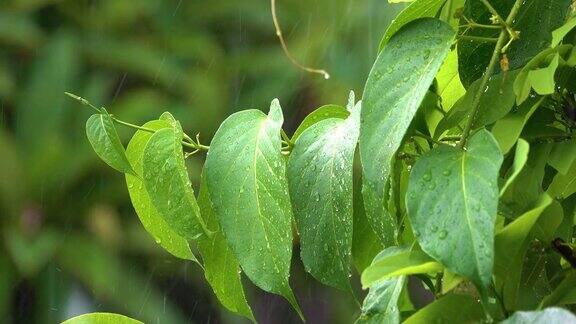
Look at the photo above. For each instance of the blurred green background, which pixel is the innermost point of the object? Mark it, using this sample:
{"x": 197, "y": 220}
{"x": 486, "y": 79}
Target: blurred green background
{"x": 70, "y": 242}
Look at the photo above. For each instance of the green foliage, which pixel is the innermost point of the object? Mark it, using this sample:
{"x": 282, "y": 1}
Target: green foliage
{"x": 101, "y": 318}
{"x": 488, "y": 230}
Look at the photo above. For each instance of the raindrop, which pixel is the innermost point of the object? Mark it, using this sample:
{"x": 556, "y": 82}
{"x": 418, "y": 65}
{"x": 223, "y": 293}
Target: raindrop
{"x": 442, "y": 235}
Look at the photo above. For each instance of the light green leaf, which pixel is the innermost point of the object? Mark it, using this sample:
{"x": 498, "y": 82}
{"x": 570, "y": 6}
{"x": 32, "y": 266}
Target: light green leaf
{"x": 449, "y": 309}
{"x": 452, "y": 204}
{"x": 546, "y": 228}
{"x": 152, "y": 221}
{"x": 246, "y": 178}
{"x": 520, "y": 158}
{"x": 559, "y": 33}
{"x": 562, "y": 156}
{"x": 417, "y": 9}
{"x": 381, "y": 303}
{"x": 321, "y": 184}
{"x": 564, "y": 185}
{"x": 542, "y": 80}
{"x": 395, "y": 88}
{"x": 450, "y": 89}
{"x": 496, "y": 101}
{"x": 511, "y": 244}
{"x": 101, "y": 318}
{"x": 564, "y": 293}
{"x": 508, "y": 129}
{"x": 324, "y": 112}
{"x": 396, "y": 264}
{"x": 106, "y": 143}
{"x": 546, "y": 316}
{"x": 221, "y": 267}
{"x": 168, "y": 186}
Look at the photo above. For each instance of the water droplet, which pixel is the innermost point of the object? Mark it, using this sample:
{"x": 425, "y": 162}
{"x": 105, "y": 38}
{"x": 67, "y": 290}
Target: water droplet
{"x": 434, "y": 229}
{"x": 446, "y": 172}
{"x": 427, "y": 176}
{"x": 442, "y": 235}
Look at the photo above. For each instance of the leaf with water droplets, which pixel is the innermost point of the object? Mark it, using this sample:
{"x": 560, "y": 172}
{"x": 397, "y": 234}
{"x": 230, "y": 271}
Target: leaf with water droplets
{"x": 168, "y": 186}
{"x": 454, "y": 220}
{"x": 164, "y": 235}
{"x": 388, "y": 264}
{"x": 324, "y": 112}
{"x": 320, "y": 181}
{"x": 564, "y": 185}
{"x": 548, "y": 315}
{"x": 106, "y": 143}
{"x": 395, "y": 88}
{"x": 246, "y": 177}
{"x": 221, "y": 267}
{"x": 453, "y": 308}
{"x": 101, "y": 318}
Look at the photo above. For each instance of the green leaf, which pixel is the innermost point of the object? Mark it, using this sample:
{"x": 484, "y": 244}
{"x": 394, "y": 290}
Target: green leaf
{"x": 324, "y": 112}
{"x": 381, "y": 303}
{"x": 152, "y": 221}
{"x": 511, "y": 244}
{"x": 449, "y": 309}
{"x": 542, "y": 80}
{"x": 562, "y": 156}
{"x": 221, "y": 267}
{"x": 321, "y": 184}
{"x": 496, "y": 101}
{"x": 450, "y": 89}
{"x": 564, "y": 185}
{"x": 395, "y": 88}
{"x": 246, "y": 178}
{"x": 546, "y": 316}
{"x": 559, "y": 33}
{"x": 387, "y": 265}
{"x": 508, "y": 129}
{"x": 564, "y": 293}
{"x": 452, "y": 204}
{"x": 536, "y": 20}
{"x": 417, "y": 9}
{"x": 106, "y": 143}
{"x": 30, "y": 254}
{"x": 101, "y": 318}
{"x": 520, "y": 158}
{"x": 168, "y": 186}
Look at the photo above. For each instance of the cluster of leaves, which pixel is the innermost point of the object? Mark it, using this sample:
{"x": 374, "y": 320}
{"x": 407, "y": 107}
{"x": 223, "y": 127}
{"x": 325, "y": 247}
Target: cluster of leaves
{"x": 468, "y": 174}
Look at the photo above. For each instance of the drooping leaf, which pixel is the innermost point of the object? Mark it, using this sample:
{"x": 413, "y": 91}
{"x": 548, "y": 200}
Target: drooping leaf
{"x": 246, "y": 178}
{"x": 324, "y": 112}
{"x": 166, "y": 180}
{"x": 520, "y": 158}
{"x": 511, "y": 244}
{"x": 396, "y": 264}
{"x": 321, "y": 186}
{"x": 395, "y": 88}
{"x": 151, "y": 219}
{"x": 536, "y": 20}
{"x": 449, "y": 309}
{"x": 564, "y": 185}
{"x": 559, "y": 33}
{"x": 450, "y": 88}
{"x": 542, "y": 80}
{"x": 562, "y": 156}
{"x": 101, "y": 318}
{"x": 452, "y": 204}
{"x": 106, "y": 143}
{"x": 496, "y": 101}
{"x": 221, "y": 267}
{"x": 546, "y": 316}
{"x": 508, "y": 129}
{"x": 417, "y": 9}
{"x": 381, "y": 303}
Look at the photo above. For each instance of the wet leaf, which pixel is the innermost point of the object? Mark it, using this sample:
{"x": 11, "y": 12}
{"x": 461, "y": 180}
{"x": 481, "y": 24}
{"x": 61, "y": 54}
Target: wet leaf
{"x": 152, "y": 221}
{"x": 395, "y": 88}
{"x": 246, "y": 178}
{"x": 101, "y": 318}
{"x": 106, "y": 143}
{"x": 452, "y": 204}
{"x": 168, "y": 186}
{"x": 449, "y": 309}
{"x": 520, "y": 158}
{"x": 324, "y": 112}
{"x": 548, "y": 315}
{"x": 320, "y": 181}
{"x": 564, "y": 185}
{"x": 559, "y": 33}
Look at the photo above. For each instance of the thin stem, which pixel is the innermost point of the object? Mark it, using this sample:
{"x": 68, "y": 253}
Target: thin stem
{"x": 488, "y": 74}
{"x": 493, "y": 11}
{"x": 285, "y": 47}
{"x": 82, "y": 101}
{"x": 286, "y": 138}
{"x": 479, "y": 39}
{"x": 430, "y": 139}
{"x": 149, "y": 130}
{"x": 473, "y": 25}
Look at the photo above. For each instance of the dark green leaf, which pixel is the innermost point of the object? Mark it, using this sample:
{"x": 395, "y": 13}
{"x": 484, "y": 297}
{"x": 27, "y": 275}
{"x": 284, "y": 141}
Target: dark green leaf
{"x": 520, "y": 158}
{"x": 546, "y": 316}
{"x": 417, "y": 9}
{"x": 395, "y": 88}
{"x": 564, "y": 293}
{"x": 320, "y": 181}
{"x": 562, "y": 156}
{"x": 535, "y": 21}
{"x": 168, "y": 186}
{"x": 101, "y": 318}
{"x": 449, "y": 309}
{"x": 560, "y": 32}
{"x": 324, "y": 112}
{"x": 221, "y": 267}
{"x": 246, "y": 178}
{"x": 564, "y": 185}
{"x": 106, "y": 143}
{"x": 452, "y": 204}
{"x": 162, "y": 233}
